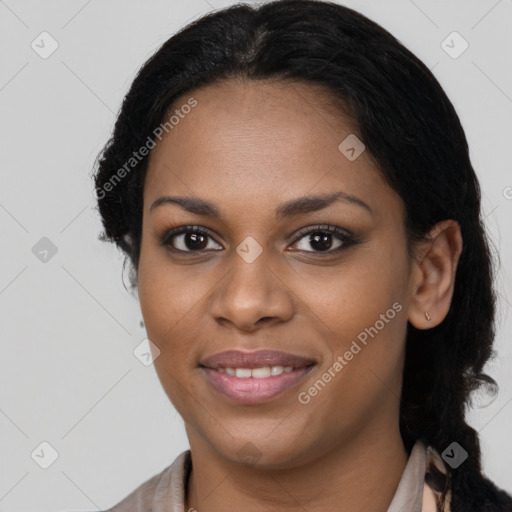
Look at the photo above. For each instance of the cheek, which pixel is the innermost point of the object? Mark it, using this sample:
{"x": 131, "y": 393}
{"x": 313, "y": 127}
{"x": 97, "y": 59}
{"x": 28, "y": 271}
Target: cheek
{"x": 171, "y": 301}
{"x": 349, "y": 298}
{"x": 359, "y": 316}
{"x": 166, "y": 294}
{"x": 168, "y": 309}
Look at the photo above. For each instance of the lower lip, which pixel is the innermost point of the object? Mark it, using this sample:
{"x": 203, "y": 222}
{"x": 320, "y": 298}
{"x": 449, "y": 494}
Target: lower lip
{"x": 254, "y": 391}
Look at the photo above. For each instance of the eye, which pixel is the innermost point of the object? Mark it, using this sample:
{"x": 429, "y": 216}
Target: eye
{"x": 187, "y": 239}
{"x": 321, "y": 239}
{"x": 196, "y": 239}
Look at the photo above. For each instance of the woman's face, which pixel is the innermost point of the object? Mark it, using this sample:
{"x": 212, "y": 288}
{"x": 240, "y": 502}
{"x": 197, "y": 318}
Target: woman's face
{"x": 258, "y": 280}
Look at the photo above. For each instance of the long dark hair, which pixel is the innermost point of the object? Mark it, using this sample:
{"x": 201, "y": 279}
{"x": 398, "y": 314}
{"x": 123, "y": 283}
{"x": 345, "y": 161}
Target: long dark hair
{"x": 409, "y": 127}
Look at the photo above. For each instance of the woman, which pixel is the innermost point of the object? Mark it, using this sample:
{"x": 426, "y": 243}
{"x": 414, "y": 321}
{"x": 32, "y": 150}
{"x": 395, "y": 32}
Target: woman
{"x": 294, "y": 191}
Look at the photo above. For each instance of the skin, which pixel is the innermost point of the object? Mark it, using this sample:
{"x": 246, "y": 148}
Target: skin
{"x": 247, "y": 147}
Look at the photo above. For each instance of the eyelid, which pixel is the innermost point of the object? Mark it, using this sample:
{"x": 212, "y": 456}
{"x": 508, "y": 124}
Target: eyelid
{"x": 327, "y": 228}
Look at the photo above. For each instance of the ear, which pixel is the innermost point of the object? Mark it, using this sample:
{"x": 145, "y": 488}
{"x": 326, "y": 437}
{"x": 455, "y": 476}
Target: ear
{"x": 432, "y": 279}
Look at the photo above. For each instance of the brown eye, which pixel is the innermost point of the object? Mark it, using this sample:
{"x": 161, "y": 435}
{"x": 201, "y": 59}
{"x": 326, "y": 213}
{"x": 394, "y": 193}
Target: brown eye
{"x": 320, "y": 239}
{"x": 187, "y": 239}
{"x": 323, "y": 239}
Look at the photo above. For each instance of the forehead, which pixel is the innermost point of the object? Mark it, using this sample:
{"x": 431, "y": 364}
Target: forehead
{"x": 260, "y": 141}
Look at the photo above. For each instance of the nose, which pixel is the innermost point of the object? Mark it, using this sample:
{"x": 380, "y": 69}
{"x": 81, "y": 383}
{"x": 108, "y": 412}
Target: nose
{"x": 251, "y": 295}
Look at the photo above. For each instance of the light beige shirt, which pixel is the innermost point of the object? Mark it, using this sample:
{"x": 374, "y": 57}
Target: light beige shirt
{"x": 422, "y": 487}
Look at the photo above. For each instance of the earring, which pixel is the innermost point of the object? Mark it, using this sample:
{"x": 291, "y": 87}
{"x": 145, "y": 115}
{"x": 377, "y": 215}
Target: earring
{"x": 427, "y": 316}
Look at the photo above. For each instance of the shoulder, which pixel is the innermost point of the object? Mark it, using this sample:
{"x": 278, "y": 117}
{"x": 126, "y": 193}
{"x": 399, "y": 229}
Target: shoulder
{"x": 453, "y": 490}
{"x": 482, "y": 495}
{"x": 164, "y": 488}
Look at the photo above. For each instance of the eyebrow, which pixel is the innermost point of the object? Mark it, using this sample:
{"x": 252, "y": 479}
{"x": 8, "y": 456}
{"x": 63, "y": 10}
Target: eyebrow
{"x": 299, "y": 206}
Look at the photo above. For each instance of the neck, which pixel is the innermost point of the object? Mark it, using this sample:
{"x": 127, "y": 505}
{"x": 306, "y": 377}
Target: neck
{"x": 360, "y": 474}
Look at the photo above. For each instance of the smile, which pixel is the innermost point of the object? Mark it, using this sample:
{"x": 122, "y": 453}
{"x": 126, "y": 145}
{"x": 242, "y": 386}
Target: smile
{"x": 257, "y": 373}
{"x": 256, "y": 385}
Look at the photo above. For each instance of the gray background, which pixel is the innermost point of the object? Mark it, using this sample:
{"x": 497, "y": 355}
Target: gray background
{"x": 68, "y": 375}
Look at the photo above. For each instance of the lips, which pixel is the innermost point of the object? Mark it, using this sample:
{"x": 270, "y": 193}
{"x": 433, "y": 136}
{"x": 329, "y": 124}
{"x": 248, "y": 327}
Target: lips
{"x": 257, "y": 359}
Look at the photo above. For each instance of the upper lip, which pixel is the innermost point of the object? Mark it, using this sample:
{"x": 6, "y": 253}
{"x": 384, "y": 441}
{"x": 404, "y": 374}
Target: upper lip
{"x": 257, "y": 359}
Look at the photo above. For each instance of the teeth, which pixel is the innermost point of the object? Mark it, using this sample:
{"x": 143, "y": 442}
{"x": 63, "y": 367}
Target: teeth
{"x": 243, "y": 373}
{"x": 257, "y": 373}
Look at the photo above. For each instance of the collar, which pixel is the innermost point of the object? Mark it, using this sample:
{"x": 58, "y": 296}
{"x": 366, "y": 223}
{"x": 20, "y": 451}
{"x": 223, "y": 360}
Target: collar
{"x": 423, "y": 487}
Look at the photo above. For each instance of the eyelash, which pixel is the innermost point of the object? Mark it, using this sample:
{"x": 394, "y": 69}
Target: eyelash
{"x": 343, "y": 235}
